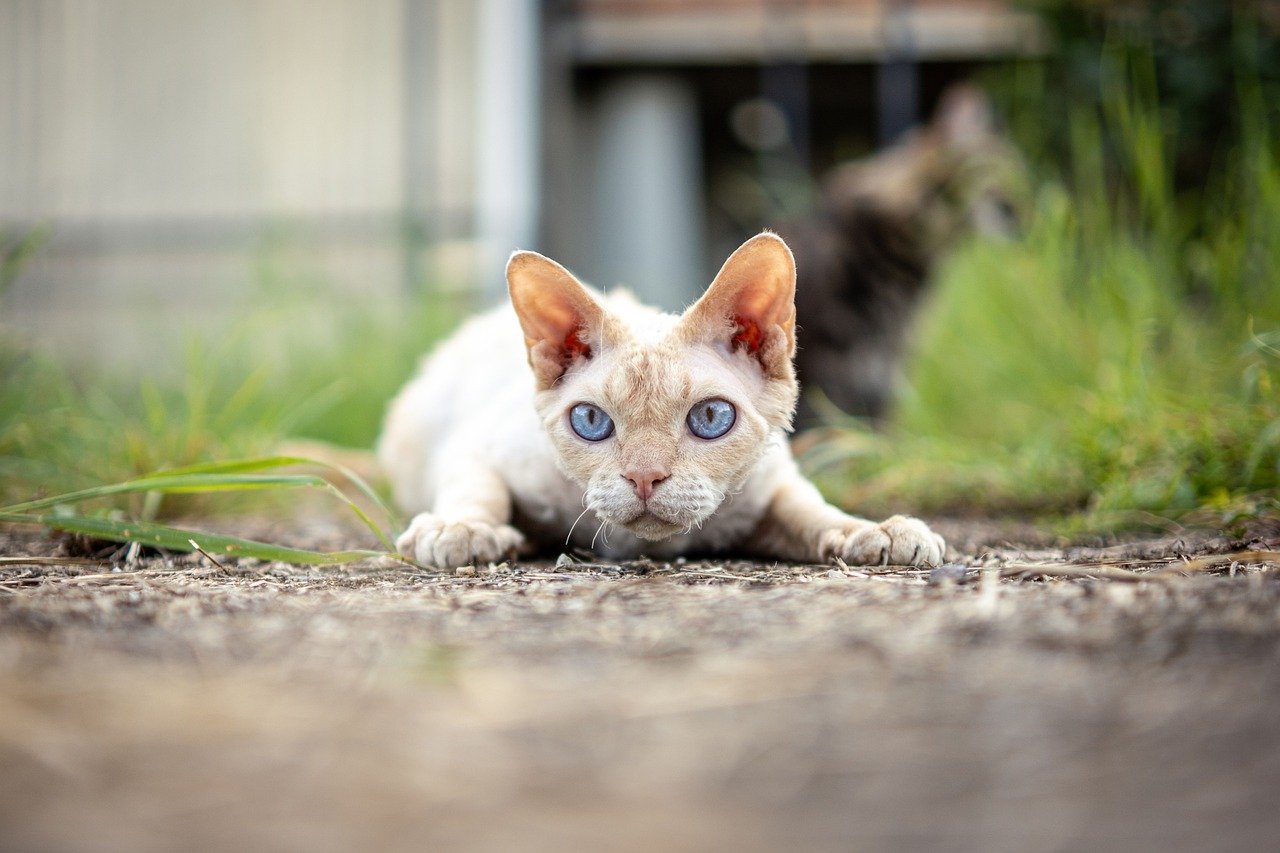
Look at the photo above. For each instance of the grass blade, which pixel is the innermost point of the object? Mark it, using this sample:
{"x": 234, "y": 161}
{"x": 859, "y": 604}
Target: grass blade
{"x": 233, "y": 475}
{"x": 267, "y": 463}
{"x": 177, "y": 484}
{"x": 186, "y": 541}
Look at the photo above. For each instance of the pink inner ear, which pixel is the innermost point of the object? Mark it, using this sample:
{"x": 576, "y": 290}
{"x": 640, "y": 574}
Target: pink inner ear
{"x": 748, "y": 334}
{"x": 574, "y": 346}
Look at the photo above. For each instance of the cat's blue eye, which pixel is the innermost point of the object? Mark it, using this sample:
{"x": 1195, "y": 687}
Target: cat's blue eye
{"x": 712, "y": 418}
{"x": 590, "y": 422}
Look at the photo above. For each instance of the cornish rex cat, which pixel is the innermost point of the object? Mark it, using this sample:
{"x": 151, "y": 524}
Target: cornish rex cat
{"x": 628, "y": 430}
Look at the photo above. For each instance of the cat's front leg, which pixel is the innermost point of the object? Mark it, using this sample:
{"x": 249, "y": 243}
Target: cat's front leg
{"x": 467, "y": 524}
{"x": 801, "y": 525}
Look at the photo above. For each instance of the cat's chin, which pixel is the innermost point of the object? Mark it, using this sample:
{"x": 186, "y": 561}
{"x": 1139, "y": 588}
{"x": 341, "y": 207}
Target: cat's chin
{"x": 649, "y": 526}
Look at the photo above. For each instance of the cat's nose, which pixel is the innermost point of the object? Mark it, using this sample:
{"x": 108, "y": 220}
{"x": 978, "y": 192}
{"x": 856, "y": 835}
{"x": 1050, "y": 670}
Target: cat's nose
{"x": 645, "y": 481}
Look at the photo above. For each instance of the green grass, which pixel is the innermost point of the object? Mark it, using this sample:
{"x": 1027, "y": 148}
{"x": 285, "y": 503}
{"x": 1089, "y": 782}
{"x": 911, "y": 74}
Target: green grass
{"x": 305, "y": 363}
{"x": 112, "y": 458}
{"x": 62, "y": 512}
{"x": 1120, "y": 363}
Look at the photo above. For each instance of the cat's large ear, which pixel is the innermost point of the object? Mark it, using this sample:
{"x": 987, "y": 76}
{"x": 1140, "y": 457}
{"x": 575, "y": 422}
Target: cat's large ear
{"x": 561, "y": 321}
{"x": 964, "y": 117}
{"x": 751, "y": 305}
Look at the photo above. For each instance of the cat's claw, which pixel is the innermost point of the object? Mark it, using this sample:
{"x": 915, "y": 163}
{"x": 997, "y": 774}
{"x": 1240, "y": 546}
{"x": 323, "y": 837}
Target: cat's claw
{"x": 898, "y": 541}
{"x": 439, "y": 543}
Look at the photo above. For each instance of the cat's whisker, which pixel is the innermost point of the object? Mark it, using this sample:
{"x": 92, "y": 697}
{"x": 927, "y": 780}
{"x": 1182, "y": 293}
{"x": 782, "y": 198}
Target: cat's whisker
{"x": 597, "y": 533}
{"x": 576, "y": 520}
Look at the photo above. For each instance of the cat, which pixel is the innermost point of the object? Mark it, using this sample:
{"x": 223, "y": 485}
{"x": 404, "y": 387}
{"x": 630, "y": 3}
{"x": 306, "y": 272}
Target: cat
{"x": 570, "y": 417}
{"x": 883, "y": 223}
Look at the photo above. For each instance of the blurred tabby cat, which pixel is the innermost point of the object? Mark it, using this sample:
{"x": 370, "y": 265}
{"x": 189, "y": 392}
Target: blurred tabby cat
{"x": 865, "y": 256}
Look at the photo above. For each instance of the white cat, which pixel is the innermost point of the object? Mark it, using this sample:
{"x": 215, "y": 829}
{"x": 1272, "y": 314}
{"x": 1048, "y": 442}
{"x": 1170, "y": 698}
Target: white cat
{"x": 638, "y": 432}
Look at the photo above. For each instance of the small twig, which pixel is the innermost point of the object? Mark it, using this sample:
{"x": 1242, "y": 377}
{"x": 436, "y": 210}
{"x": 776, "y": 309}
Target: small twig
{"x": 593, "y": 567}
{"x": 1092, "y": 570}
{"x": 1201, "y": 564}
{"x": 74, "y": 579}
{"x": 721, "y": 575}
{"x": 878, "y": 569}
{"x": 50, "y": 561}
{"x": 119, "y": 574}
{"x": 207, "y": 555}
{"x": 22, "y": 580}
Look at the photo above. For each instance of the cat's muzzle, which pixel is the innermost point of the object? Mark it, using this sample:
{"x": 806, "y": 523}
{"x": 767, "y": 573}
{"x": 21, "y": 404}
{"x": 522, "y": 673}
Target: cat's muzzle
{"x": 673, "y": 509}
{"x": 649, "y": 524}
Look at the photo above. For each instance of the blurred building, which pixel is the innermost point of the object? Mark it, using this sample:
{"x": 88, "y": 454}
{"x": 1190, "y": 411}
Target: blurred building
{"x": 185, "y": 153}
{"x": 188, "y": 153}
{"x": 673, "y": 129}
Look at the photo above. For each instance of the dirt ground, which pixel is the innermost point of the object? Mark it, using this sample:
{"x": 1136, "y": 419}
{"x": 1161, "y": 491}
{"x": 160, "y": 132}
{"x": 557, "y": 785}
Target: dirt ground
{"x": 1029, "y": 697}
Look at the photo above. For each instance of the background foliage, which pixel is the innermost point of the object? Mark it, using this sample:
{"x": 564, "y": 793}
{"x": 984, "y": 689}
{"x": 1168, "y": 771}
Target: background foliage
{"x": 1117, "y": 364}
{"x": 1121, "y": 358}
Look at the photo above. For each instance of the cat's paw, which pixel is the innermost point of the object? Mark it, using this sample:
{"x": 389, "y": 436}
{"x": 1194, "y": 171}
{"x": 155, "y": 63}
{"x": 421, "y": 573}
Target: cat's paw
{"x": 899, "y": 541}
{"x": 439, "y": 543}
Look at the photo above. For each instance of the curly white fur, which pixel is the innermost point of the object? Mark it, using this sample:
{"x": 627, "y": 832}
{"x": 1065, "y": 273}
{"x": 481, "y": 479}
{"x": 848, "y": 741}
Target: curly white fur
{"x": 489, "y": 461}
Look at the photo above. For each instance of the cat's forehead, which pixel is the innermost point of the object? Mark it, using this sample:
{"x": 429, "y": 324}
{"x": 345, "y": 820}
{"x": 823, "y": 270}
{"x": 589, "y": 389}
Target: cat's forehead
{"x": 653, "y": 371}
{"x": 659, "y": 380}
{"x": 644, "y": 377}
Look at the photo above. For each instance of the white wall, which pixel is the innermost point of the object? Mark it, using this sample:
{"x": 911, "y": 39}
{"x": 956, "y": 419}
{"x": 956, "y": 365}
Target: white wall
{"x": 175, "y": 145}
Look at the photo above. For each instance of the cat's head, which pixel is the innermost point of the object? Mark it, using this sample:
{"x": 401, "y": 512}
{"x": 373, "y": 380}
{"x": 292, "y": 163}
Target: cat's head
{"x": 957, "y": 175}
{"x": 657, "y": 417}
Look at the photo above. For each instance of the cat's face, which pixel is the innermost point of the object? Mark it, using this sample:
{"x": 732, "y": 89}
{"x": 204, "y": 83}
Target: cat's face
{"x": 959, "y": 175}
{"x": 660, "y": 418}
{"x": 659, "y": 433}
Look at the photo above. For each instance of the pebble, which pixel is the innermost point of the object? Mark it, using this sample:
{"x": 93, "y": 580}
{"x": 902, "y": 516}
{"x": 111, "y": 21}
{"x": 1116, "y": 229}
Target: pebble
{"x": 948, "y": 572}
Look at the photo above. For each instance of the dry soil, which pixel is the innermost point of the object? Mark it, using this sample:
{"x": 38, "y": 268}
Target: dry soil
{"x": 1029, "y": 698}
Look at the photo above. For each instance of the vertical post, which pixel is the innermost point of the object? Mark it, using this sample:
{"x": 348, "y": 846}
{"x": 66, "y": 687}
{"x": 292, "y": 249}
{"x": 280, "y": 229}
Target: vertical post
{"x": 564, "y": 203}
{"x": 897, "y": 78}
{"x": 417, "y": 85}
{"x": 647, "y": 198}
{"x": 784, "y": 81}
{"x": 507, "y": 153}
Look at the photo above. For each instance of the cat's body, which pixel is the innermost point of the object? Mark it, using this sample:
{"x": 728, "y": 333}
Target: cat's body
{"x": 611, "y": 442}
{"x": 495, "y": 395}
{"x": 870, "y": 247}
